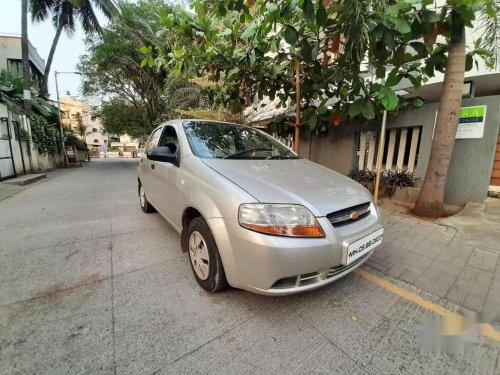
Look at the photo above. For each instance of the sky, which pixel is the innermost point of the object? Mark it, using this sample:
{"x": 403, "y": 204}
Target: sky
{"x": 41, "y": 35}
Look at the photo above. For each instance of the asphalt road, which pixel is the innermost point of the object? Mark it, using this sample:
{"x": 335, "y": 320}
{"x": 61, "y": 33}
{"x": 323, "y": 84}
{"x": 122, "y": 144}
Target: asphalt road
{"x": 89, "y": 285}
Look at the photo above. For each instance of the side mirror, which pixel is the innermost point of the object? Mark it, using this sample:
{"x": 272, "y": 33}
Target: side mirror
{"x": 163, "y": 154}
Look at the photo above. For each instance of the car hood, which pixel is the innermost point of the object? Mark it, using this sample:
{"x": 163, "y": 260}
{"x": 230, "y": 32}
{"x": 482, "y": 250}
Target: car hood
{"x": 296, "y": 181}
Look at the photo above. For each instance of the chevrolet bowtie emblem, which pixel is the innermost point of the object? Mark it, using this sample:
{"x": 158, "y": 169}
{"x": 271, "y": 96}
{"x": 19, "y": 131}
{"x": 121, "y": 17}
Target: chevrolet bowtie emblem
{"x": 354, "y": 215}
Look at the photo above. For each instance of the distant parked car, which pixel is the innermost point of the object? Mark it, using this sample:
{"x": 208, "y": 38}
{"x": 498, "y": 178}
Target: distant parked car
{"x": 253, "y": 214}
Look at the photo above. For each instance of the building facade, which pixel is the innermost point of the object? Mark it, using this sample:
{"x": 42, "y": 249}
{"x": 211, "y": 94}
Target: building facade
{"x": 77, "y": 116}
{"x": 17, "y": 155}
{"x": 11, "y": 57}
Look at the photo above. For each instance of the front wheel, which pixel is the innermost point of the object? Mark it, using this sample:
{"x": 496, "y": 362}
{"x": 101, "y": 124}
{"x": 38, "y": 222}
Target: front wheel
{"x": 143, "y": 200}
{"x": 205, "y": 259}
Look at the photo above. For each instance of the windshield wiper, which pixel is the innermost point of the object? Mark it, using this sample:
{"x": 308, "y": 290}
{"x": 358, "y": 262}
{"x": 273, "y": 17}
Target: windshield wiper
{"x": 281, "y": 157}
{"x": 246, "y": 151}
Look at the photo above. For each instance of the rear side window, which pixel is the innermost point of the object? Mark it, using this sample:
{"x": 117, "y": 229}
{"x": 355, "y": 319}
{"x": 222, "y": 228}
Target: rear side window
{"x": 153, "y": 140}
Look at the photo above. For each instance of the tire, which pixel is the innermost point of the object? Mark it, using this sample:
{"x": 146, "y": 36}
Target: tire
{"x": 143, "y": 200}
{"x": 213, "y": 279}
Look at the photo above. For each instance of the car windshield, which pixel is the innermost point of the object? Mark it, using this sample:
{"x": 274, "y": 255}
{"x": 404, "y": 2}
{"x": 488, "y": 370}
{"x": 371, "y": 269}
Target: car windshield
{"x": 219, "y": 140}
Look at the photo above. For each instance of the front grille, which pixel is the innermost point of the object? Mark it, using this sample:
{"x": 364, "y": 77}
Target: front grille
{"x": 314, "y": 277}
{"x": 349, "y": 215}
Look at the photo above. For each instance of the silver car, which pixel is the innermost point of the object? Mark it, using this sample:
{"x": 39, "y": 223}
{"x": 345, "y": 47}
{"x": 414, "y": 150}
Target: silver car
{"x": 250, "y": 212}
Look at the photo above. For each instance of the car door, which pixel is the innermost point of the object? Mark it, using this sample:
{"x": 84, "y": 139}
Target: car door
{"x": 165, "y": 179}
{"x": 145, "y": 164}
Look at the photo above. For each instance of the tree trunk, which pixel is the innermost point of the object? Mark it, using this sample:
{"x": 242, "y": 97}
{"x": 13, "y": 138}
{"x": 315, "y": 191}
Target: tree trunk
{"x": 430, "y": 200}
{"x": 25, "y": 58}
{"x": 44, "y": 85}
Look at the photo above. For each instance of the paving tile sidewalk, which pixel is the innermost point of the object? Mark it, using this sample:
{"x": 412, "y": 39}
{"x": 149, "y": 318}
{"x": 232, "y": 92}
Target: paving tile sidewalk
{"x": 443, "y": 258}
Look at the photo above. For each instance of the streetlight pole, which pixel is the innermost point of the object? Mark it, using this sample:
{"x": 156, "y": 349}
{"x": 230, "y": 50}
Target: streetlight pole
{"x": 60, "y": 117}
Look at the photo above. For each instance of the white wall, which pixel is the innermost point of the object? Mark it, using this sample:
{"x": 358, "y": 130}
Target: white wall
{"x": 33, "y": 161}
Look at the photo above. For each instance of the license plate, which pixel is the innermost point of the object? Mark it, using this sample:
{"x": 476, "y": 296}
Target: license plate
{"x": 357, "y": 249}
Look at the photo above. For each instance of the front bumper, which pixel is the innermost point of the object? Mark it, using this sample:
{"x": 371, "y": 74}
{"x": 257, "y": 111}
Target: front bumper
{"x": 268, "y": 264}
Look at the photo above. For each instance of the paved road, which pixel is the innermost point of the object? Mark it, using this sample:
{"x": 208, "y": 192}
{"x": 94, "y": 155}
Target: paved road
{"x": 89, "y": 285}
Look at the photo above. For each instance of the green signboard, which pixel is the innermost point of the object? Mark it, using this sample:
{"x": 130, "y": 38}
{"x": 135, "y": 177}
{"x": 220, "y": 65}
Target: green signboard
{"x": 471, "y": 122}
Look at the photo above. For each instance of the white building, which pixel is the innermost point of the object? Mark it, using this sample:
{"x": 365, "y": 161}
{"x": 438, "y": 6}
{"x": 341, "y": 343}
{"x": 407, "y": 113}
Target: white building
{"x": 11, "y": 56}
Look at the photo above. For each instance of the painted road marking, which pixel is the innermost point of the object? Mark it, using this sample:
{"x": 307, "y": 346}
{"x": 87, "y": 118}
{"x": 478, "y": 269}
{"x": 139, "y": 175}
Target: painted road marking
{"x": 486, "y": 329}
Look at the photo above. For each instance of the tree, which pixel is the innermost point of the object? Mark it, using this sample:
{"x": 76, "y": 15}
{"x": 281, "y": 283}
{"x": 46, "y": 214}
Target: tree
{"x": 351, "y": 53}
{"x": 25, "y": 57}
{"x": 489, "y": 26}
{"x": 113, "y": 68}
{"x": 454, "y": 17}
{"x": 119, "y": 116}
{"x": 64, "y": 13}
{"x": 327, "y": 50}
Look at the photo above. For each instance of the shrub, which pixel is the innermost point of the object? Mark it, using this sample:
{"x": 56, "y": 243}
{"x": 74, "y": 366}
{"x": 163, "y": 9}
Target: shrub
{"x": 71, "y": 140}
{"x": 44, "y": 136}
{"x": 389, "y": 180}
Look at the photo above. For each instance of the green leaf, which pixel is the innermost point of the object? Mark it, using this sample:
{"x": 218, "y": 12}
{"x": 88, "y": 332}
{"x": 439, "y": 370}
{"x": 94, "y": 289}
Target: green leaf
{"x": 388, "y": 98}
{"x": 308, "y": 10}
{"x": 178, "y": 52}
{"x": 226, "y": 32}
{"x": 380, "y": 72}
{"x": 368, "y": 111}
{"x": 249, "y": 32}
{"x": 393, "y": 10}
{"x": 356, "y": 108}
{"x": 151, "y": 61}
{"x": 271, "y": 7}
{"x": 221, "y": 9}
{"x": 469, "y": 62}
{"x": 288, "y": 8}
{"x": 253, "y": 58}
{"x": 144, "y": 62}
{"x": 402, "y": 25}
{"x": 321, "y": 15}
{"x": 393, "y": 78}
{"x": 291, "y": 35}
{"x": 144, "y": 50}
{"x": 233, "y": 72}
{"x": 322, "y": 110}
{"x": 417, "y": 102}
{"x": 312, "y": 121}
{"x": 430, "y": 16}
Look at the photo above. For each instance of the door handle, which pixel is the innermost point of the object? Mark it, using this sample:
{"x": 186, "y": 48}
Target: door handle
{"x": 152, "y": 166}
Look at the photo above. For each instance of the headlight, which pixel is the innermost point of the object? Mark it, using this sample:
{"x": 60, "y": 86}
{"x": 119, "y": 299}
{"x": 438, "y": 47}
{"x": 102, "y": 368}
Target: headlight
{"x": 280, "y": 219}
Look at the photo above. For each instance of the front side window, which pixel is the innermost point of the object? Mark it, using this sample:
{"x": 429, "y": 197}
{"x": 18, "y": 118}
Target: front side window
{"x": 153, "y": 139}
{"x": 169, "y": 139}
{"x": 218, "y": 140}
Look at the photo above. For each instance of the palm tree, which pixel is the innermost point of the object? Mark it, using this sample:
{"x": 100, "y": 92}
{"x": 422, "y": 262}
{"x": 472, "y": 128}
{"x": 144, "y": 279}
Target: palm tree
{"x": 489, "y": 26}
{"x": 430, "y": 200}
{"x": 25, "y": 57}
{"x": 65, "y": 14}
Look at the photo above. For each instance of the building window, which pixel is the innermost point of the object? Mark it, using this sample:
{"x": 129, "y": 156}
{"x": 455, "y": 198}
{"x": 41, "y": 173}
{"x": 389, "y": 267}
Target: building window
{"x": 94, "y": 130}
{"x": 96, "y": 141}
{"x": 4, "y": 128}
{"x": 74, "y": 116}
{"x": 92, "y": 117}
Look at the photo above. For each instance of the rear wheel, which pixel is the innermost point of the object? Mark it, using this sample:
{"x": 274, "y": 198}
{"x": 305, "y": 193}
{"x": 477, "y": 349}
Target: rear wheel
{"x": 205, "y": 258}
{"x": 145, "y": 205}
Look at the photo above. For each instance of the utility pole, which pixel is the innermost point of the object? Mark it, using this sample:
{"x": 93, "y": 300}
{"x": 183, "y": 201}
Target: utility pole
{"x": 65, "y": 157}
